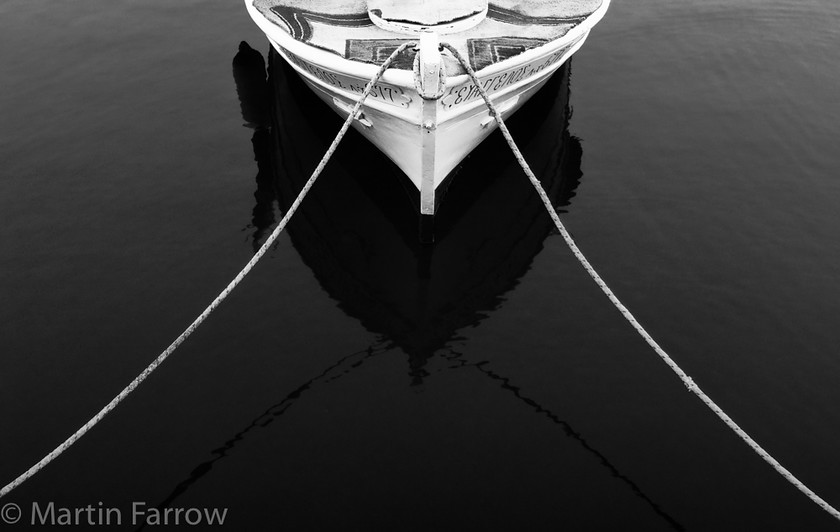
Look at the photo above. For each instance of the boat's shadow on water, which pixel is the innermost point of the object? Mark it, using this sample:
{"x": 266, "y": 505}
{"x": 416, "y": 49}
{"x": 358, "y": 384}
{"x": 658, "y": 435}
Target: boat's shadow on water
{"x": 358, "y": 232}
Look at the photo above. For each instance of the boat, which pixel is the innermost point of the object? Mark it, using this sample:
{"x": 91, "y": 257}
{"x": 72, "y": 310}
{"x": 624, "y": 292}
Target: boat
{"x": 356, "y": 235}
{"x": 425, "y": 113}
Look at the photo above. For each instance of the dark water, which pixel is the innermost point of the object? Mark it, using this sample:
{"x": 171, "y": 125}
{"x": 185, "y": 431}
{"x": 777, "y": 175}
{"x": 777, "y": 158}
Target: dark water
{"x": 357, "y": 380}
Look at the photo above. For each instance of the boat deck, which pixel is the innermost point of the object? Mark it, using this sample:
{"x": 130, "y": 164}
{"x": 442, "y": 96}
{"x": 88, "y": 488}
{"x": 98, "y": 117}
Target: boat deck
{"x": 344, "y": 28}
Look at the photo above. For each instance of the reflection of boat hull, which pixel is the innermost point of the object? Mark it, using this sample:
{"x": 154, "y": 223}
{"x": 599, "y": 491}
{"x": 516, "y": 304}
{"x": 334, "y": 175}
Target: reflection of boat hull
{"x": 362, "y": 245}
{"x": 426, "y": 136}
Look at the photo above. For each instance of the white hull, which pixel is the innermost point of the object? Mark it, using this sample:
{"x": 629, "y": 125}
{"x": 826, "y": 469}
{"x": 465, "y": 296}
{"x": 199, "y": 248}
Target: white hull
{"x": 426, "y": 138}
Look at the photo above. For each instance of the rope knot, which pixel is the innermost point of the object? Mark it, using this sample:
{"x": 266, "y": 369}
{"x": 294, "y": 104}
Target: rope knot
{"x": 690, "y": 385}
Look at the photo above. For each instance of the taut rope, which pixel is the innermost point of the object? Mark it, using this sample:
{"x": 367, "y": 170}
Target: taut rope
{"x": 689, "y": 383}
{"x": 221, "y": 297}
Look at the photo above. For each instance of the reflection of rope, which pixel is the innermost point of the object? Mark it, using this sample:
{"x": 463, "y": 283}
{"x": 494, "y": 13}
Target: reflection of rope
{"x": 353, "y": 360}
{"x": 221, "y": 297}
{"x": 689, "y": 383}
{"x": 506, "y": 384}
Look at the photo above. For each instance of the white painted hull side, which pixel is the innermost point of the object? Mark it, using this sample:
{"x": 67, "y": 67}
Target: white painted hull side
{"x": 426, "y": 138}
{"x": 396, "y": 129}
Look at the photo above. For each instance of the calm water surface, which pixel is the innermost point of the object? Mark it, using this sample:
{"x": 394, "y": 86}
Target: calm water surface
{"x": 359, "y": 381}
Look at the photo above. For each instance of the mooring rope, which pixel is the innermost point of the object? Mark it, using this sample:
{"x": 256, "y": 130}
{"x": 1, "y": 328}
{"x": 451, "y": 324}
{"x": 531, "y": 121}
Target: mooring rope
{"x": 221, "y": 297}
{"x": 688, "y": 381}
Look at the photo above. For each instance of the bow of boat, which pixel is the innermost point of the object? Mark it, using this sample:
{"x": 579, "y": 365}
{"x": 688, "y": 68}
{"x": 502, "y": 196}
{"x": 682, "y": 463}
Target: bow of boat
{"x": 425, "y": 113}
